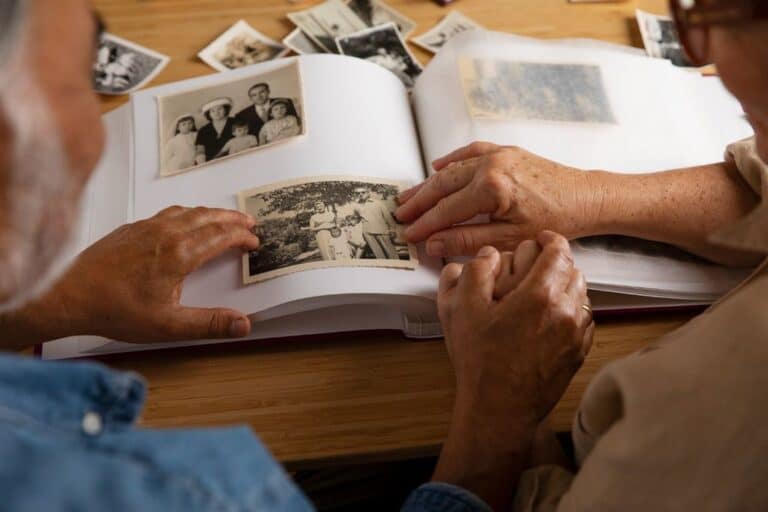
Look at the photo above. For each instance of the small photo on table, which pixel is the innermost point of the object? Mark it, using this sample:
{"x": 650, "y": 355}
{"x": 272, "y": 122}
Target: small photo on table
{"x": 455, "y": 23}
{"x": 320, "y": 222}
{"x": 375, "y": 13}
{"x": 204, "y": 125}
{"x": 384, "y": 46}
{"x": 122, "y": 67}
{"x": 326, "y": 21}
{"x": 536, "y": 91}
{"x": 241, "y": 45}
{"x": 660, "y": 38}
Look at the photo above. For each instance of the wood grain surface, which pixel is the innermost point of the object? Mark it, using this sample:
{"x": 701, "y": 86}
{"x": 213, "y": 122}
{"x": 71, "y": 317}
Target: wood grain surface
{"x": 354, "y": 397}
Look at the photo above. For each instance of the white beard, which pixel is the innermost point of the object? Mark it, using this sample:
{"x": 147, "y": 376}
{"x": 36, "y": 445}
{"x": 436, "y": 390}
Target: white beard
{"x": 40, "y": 201}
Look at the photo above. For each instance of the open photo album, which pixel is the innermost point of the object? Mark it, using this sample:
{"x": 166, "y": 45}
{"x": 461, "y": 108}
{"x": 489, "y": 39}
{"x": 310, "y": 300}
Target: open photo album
{"x": 317, "y": 147}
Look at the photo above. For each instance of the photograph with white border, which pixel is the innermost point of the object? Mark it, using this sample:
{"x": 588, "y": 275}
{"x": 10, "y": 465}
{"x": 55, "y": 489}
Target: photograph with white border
{"x": 300, "y": 44}
{"x": 204, "y": 125}
{"x": 375, "y": 13}
{"x": 122, "y": 66}
{"x": 323, "y": 23}
{"x": 435, "y": 38}
{"x": 383, "y": 46}
{"x": 660, "y": 38}
{"x": 327, "y": 221}
{"x": 241, "y": 45}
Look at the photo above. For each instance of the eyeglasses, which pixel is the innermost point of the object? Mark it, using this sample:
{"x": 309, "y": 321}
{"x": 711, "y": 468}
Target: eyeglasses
{"x": 701, "y": 14}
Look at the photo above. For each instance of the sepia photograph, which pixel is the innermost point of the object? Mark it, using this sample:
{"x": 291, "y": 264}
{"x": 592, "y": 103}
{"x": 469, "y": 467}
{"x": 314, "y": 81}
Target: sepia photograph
{"x": 660, "y": 38}
{"x": 325, "y": 22}
{"x": 300, "y": 44}
{"x": 241, "y": 45}
{"x": 336, "y": 221}
{"x": 375, "y": 13}
{"x": 453, "y": 24}
{"x": 204, "y": 125}
{"x": 383, "y": 46}
{"x": 503, "y": 90}
{"x": 122, "y": 67}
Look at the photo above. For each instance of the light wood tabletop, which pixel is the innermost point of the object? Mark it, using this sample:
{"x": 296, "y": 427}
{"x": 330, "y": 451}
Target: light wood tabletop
{"x": 354, "y": 397}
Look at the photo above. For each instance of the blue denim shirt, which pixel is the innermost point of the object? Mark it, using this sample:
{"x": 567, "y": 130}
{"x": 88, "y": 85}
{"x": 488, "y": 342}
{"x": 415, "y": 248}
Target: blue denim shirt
{"x": 68, "y": 442}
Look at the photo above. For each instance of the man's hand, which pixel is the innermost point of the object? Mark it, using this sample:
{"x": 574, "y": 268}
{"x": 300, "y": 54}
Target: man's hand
{"x": 127, "y": 286}
{"x": 516, "y": 333}
{"x": 522, "y": 193}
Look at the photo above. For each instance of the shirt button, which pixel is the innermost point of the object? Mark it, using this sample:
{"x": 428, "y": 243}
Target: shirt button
{"x": 92, "y": 424}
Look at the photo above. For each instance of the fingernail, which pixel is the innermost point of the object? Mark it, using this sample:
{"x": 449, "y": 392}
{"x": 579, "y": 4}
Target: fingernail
{"x": 238, "y": 328}
{"x": 398, "y": 212}
{"x": 486, "y": 251}
{"x": 435, "y": 248}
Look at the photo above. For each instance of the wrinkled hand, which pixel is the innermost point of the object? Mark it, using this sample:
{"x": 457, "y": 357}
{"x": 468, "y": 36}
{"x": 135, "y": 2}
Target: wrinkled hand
{"x": 127, "y": 286}
{"x": 515, "y": 330}
{"x": 522, "y": 193}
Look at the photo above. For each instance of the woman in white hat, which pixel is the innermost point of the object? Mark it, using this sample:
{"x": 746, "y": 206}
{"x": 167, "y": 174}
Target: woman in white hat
{"x": 213, "y": 136}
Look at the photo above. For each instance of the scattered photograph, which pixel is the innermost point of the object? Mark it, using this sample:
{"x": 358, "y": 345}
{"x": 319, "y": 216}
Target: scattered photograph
{"x": 496, "y": 89}
{"x": 336, "y": 221}
{"x": 327, "y": 21}
{"x": 453, "y": 24}
{"x": 660, "y": 38}
{"x": 383, "y": 46}
{"x": 300, "y": 43}
{"x": 204, "y": 125}
{"x": 122, "y": 67}
{"x": 375, "y": 13}
{"x": 241, "y": 45}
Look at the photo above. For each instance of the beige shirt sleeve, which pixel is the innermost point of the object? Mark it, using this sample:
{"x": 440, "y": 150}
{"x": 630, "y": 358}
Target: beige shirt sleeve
{"x": 682, "y": 424}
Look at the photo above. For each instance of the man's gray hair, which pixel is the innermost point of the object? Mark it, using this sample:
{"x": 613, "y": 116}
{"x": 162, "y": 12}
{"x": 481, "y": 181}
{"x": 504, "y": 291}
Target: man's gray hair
{"x": 11, "y": 17}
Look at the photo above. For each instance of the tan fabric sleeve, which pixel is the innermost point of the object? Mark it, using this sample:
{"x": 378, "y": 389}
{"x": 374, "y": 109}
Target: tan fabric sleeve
{"x": 751, "y": 232}
{"x": 541, "y": 488}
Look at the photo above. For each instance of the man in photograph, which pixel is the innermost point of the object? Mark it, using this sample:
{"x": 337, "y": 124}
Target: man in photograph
{"x": 379, "y": 227}
{"x": 257, "y": 114}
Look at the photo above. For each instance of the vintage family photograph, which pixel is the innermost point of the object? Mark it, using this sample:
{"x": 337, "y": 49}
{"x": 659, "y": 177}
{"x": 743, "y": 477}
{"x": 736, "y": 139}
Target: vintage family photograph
{"x": 503, "y": 90}
{"x": 384, "y": 46}
{"x": 335, "y": 221}
{"x": 241, "y": 45}
{"x": 204, "y": 125}
{"x": 660, "y": 38}
{"x": 375, "y": 13}
{"x": 453, "y": 24}
{"x": 122, "y": 67}
{"x": 325, "y": 22}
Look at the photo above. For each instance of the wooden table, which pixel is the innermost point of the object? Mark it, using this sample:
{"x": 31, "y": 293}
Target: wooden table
{"x": 350, "y": 398}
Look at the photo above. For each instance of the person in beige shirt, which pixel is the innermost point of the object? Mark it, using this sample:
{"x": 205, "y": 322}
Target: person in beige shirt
{"x": 681, "y": 425}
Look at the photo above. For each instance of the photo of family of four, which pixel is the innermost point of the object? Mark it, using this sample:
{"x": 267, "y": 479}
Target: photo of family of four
{"x": 324, "y": 222}
{"x": 227, "y": 124}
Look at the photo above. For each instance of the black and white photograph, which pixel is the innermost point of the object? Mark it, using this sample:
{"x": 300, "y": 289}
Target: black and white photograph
{"x": 375, "y": 13}
{"x": 300, "y": 44}
{"x": 383, "y": 46}
{"x": 503, "y": 90}
{"x": 204, "y": 125}
{"x": 325, "y": 22}
{"x": 336, "y": 221}
{"x": 122, "y": 67}
{"x": 241, "y": 45}
{"x": 453, "y": 24}
{"x": 660, "y": 38}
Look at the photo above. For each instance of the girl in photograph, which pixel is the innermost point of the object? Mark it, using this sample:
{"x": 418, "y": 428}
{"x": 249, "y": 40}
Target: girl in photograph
{"x": 180, "y": 150}
{"x": 281, "y": 124}
{"x": 321, "y": 223}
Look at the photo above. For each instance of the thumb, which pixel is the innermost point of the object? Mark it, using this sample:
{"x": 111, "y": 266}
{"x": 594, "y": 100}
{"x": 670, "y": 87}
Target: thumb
{"x": 209, "y": 323}
{"x": 466, "y": 240}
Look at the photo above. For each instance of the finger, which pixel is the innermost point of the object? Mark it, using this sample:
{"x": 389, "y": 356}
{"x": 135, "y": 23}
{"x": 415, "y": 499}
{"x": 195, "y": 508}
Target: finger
{"x": 552, "y": 269}
{"x": 171, "y": 212}
{"x": 469, "y": 151}
{"x": 405, "y": 195}
{"x": 200, "y": 216}
{"x": 203, "y": 323}
{"x": 589, "y": 336}
{"x": 504, "y": 281}
{"x": 465, "y": 240}
{"x": 436, "y": 188}
{"x": 208, "y": 242}
{"x": 449, "y": 278}
{"x": 478, "y": 278}
{"x": 577, "y": 295}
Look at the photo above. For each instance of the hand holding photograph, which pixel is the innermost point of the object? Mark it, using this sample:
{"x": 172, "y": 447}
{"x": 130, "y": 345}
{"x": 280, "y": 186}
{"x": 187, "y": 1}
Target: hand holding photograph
{"x": 335, "y": 221}
{"x": 122, "y": 67}
{"x": 241, "y": 45}
{"x": 503, "y": 90}
{"x": 203, "y": 125}
{"x": 384, "y": 46}
{"x": 455, "y": 23}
